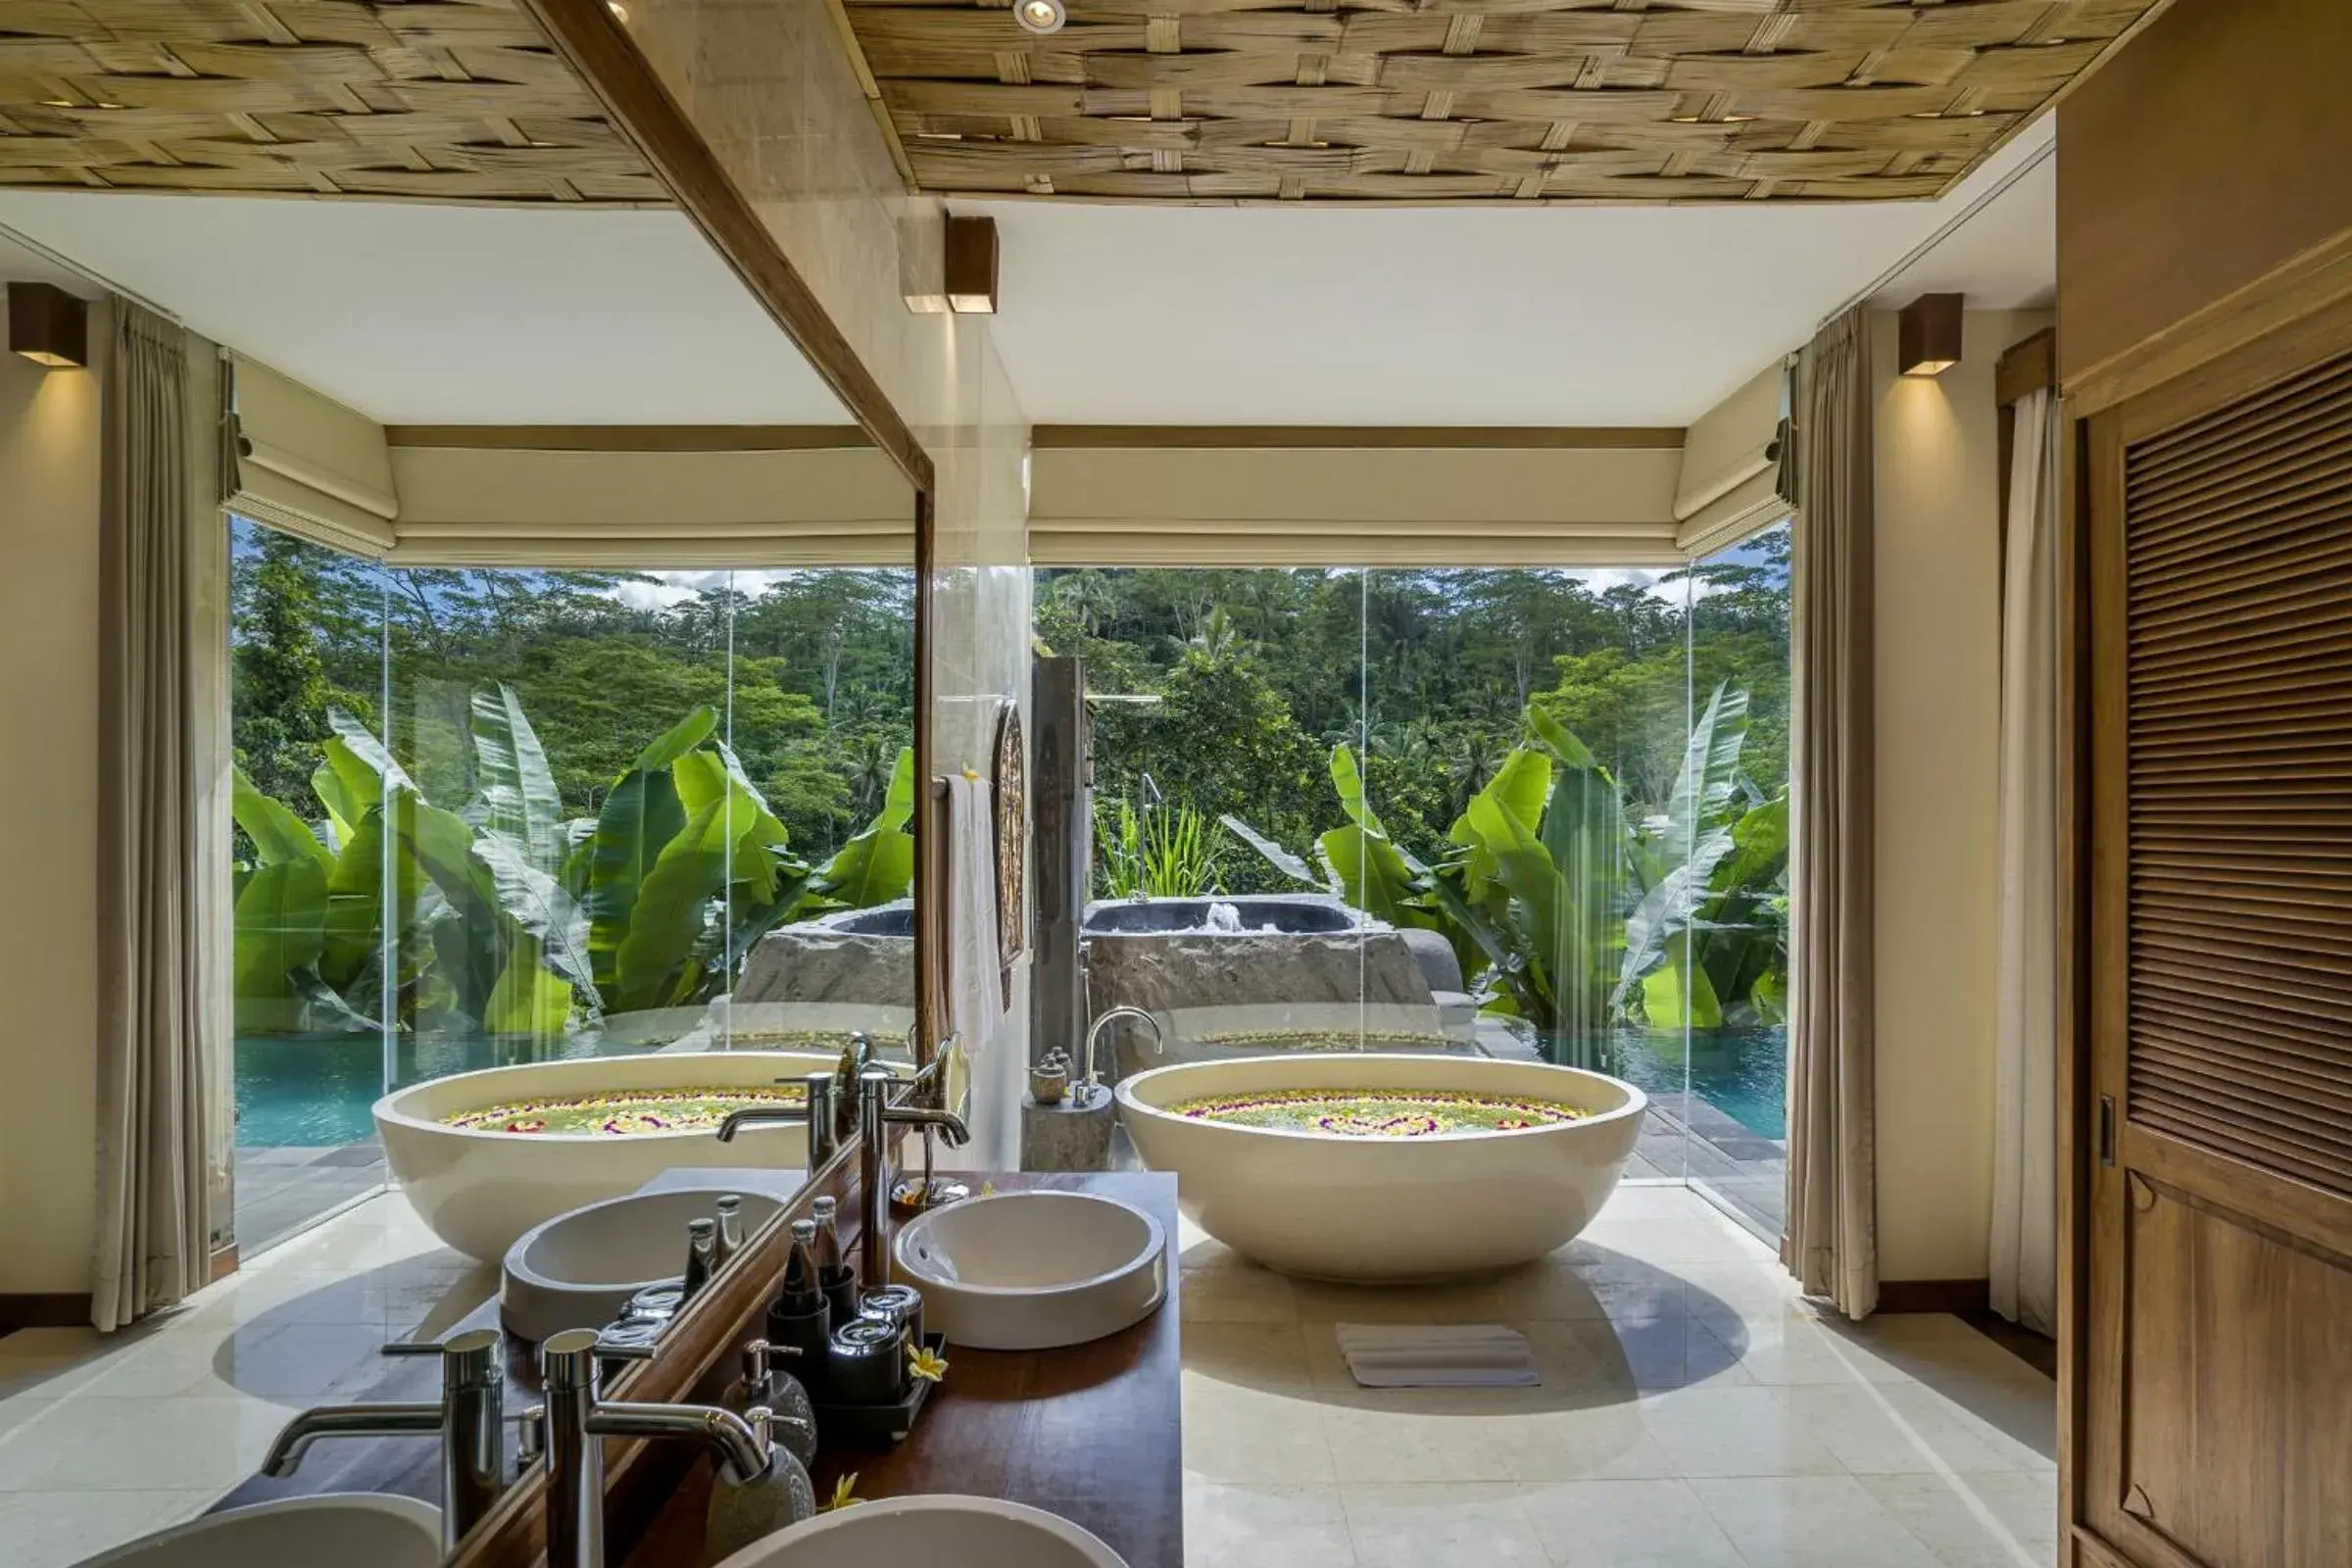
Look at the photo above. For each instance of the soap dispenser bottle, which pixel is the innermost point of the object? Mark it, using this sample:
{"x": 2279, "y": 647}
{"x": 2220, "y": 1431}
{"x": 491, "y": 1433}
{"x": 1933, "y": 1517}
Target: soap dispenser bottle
{"x": 763, "y": 1383}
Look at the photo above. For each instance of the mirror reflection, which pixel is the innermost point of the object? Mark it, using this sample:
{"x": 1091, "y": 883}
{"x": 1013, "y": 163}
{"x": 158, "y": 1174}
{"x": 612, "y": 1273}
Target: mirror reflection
{"x": 557, "y": 744}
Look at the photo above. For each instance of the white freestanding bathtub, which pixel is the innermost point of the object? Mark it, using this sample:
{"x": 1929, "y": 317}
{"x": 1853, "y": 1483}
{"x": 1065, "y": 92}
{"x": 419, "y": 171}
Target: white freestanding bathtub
{"x": 1386, "y": 1209}
{"x": 480, "y": 1190}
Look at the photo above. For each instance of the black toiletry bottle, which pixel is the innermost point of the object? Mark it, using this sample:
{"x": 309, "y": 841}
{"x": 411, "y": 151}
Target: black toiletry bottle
{"x": 701, "y": 1255}
{"x": 800, "y": 1326}
{"x": 834, "y": 1277}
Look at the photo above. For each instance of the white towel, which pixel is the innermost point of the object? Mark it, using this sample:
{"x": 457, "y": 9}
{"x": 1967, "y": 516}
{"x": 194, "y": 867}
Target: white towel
{"x": 1437, "y": 1355}
{"x": 976, "y": 981}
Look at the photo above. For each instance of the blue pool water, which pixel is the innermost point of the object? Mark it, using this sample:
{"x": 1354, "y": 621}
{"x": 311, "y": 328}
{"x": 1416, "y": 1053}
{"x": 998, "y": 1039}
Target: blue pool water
{"x": 315, "y": 1090}
{"x": 1741, "y": 1072}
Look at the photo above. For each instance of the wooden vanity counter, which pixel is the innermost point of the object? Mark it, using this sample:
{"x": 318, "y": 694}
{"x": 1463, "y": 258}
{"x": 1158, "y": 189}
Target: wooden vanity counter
{"x": 1091, "y": 1431}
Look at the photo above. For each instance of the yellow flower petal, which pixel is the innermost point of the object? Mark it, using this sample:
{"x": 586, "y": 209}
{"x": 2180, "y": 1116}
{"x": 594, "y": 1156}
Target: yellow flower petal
{"x": 844, "y": 1492}
{"x": 988, "y": 1188}
{"x": 929, "y": 1365}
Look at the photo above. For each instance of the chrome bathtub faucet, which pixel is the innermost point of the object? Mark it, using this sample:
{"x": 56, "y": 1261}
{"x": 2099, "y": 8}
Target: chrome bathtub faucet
{"x": 1124, "y": 1011}
{"x": 818, "y": 1111}
{"x": 470, "y": 1419}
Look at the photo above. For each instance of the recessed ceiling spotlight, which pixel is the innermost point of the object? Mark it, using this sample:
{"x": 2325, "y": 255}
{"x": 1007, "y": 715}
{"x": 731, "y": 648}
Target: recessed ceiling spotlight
{"x": 620, "y": 13}
{"x": 1041, "y": 17}
{"x": 1682, "y": 120}
{"x": 1739, "y": 120}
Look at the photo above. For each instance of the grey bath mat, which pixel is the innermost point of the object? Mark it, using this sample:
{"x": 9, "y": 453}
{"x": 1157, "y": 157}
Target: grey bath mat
{"x": 1437, "y": 1355}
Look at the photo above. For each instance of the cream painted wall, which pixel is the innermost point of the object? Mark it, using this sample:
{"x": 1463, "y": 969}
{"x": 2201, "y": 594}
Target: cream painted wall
{"x": 1938, "y": 539}
{"x": 48, "y": 840}
{"x": 770, "y": 91}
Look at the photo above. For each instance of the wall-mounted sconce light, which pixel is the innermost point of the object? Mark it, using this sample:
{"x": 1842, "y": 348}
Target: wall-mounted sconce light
{"x": 971, "y": 265}
{"x": 1928, "y": 339}
{"x": 48, "y": 326}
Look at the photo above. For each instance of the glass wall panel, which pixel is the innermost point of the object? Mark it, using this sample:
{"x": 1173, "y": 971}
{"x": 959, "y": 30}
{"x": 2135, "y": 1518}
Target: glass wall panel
{"x": 1738, "y": 1012}
{"x": 1529, "y": 813}
{"x": 498, "y": 816}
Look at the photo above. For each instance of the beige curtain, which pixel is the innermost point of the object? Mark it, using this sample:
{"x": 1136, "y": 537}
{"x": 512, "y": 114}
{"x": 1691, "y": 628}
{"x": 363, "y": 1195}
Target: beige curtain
{"x": 2025, "y": 1161}
{"x": 1833, "y": 1161}
{"x": 151, "y": 1244}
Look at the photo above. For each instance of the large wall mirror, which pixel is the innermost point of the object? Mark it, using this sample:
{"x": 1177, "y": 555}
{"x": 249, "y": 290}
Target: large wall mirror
{"x": 563, "y": 730}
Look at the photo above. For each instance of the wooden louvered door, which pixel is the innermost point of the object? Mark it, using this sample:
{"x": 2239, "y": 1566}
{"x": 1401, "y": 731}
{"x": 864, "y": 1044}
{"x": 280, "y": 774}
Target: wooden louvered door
{"x": 2216, "y": 1429}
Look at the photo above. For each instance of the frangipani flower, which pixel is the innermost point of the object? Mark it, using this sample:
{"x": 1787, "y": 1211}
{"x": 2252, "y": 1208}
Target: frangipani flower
{"x": 927, "y": 1364}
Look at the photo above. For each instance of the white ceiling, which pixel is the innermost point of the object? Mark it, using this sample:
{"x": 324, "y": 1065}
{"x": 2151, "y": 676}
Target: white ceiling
{"x": 423, "y": 314}
{"x": 1452, "y": 316}
{"x": 2004, "y": 257}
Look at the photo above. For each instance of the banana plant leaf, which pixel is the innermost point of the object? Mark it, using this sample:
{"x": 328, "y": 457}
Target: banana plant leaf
{"x": 281, "y": 919}
{"x": 641, "y": 816}
{"x": 877, "y": 865}
{"x": 552, "y": 920}
{"x": 1282, "y": 859}
{"x": 520, "y": 800}
{"x": 529, "y": 998}
{"x": 1708, "y": 783}
{"x": 667, "y": 918}
{"x": 1373, "y": 874}
{"x": 277, "y": 834}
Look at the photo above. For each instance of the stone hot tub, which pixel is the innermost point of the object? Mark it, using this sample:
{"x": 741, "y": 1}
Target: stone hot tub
{"x": 483, "y": 1156}
{"x": 1384, "y": 1168}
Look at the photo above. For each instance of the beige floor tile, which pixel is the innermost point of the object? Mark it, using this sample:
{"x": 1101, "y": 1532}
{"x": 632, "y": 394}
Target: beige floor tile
{"x": 56, "y": 1528}
{"x": 1252, "y": 1437}
{"x": 1237, "y": 1293}
{"x": 2000, "y": 1519}
{"x": 98, "y": 1445}
{"x": 1786, "y": 1348}
{"x": 1383, "y": 1435}
{"x": 1253, "y": 1356}
{"x": 1639, "y": 1352}
{"x": 1698, "y": 1237}
{"x": 1421, "y": 1525}
{"x": 1710, "y": 1430}
{"x": 1810, "y": 1522}
{"x": 2013, "y": 1417}
{"x": 1627, "y": 1524}
{"x": 1233, "y": 1525}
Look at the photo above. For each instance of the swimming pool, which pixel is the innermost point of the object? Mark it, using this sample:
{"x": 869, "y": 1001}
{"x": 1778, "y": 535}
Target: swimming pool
{"x": 1741, "y": 1072}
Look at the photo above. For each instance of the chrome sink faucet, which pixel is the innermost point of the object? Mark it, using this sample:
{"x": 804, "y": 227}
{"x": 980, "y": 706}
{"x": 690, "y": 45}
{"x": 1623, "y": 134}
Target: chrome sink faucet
{"x": 876, "y": 1116}
{"x": 470, "y": 1419}
{"x": 576, "y": 1420}
{"x": 1095, "y": 1032}
{"x": 820, "y": 1112}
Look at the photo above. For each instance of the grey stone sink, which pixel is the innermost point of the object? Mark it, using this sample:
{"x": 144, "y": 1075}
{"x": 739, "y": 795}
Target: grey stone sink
{"x": 1032, "y": 1270}
{"x": 579, "y": 1269}
{"x": 351, "y": 1530}
{"x": 966, "y": 1532}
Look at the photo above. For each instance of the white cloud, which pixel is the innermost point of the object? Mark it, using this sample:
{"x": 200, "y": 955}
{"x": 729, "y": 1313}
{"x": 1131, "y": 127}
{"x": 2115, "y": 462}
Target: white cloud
{"x": 667, "y": 588}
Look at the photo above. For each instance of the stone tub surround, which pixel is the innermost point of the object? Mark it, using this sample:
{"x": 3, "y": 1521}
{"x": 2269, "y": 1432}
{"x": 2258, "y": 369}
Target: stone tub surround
{"x": 1695, "y": 1415}
{"x": 105, "y": 1440}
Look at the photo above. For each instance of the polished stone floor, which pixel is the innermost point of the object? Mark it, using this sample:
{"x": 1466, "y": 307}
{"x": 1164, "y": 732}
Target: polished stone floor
{"x": 1693, "y": 1413}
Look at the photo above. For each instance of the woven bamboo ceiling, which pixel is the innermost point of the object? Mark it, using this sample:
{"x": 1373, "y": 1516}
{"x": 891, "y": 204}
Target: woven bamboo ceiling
{"x": 1471, "y": 100}
{"x": 441, "y": 100}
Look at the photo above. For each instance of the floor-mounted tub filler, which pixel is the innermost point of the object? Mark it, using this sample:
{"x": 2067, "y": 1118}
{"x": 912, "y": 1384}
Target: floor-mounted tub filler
{"x": 1350, "y": 1165}
{"x": 483, "y": 1156}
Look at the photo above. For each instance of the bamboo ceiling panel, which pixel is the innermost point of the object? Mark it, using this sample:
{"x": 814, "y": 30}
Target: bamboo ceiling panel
{"x": 1471, "y": 100}
{"x": 438, "y": 100}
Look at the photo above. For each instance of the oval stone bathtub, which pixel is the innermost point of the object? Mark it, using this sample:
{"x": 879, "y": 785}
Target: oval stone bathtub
{"x": 479, "y": 1188}
{"x": 1384, "y": 1209}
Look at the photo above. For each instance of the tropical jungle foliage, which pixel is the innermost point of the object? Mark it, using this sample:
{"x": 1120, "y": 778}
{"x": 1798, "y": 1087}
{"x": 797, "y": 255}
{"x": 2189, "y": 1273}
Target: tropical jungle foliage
{"x": 1160, "y": 851}
{"x": 550, "y": 869}
{"x": 1573, "y": 914}
{"x": 510, "y": 919}
{"x": 1515, "y": 754}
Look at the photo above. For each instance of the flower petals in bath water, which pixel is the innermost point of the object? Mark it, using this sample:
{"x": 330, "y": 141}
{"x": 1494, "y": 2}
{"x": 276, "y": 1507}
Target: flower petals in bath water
{"x": 623, "y": 1113}
{"x": 1378, "y": 1112}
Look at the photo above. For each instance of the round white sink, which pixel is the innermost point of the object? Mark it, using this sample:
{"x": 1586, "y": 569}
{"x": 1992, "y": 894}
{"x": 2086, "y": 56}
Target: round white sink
{"x": 969, "y": 1532}
{"x": 1028, "y": 1271}
{"x": 578, "y": 1271}
{"x": 351, "y": 1530}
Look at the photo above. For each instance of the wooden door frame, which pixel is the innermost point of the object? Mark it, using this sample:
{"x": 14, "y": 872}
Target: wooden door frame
{"x": 2258, "y": 331}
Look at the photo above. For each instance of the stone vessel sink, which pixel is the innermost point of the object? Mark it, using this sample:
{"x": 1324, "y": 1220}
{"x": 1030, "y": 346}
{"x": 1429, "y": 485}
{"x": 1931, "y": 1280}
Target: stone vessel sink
{"x": 968, "y": 1532}
{"x": 351, "y": 1530}
{"x": 1032, "y": 1270}
{"x": 578, "y": 1271}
